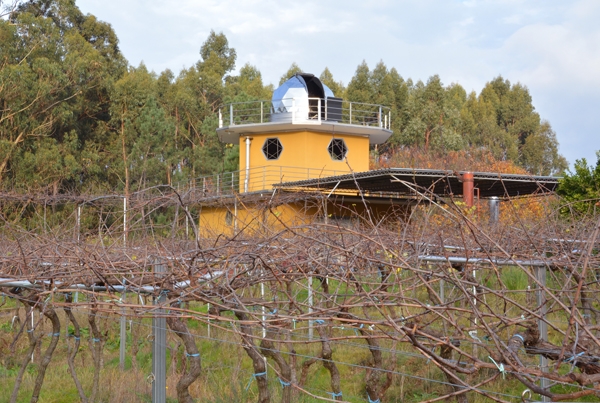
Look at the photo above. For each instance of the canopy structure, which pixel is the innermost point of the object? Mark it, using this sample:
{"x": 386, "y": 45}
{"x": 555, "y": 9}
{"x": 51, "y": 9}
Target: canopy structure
{"x": 409, "y": 181}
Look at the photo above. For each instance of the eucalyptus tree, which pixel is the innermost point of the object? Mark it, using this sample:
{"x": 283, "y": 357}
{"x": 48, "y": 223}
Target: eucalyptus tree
{"x": 294, "y": 68}
{"x": 195, "y": 97}
{"x": 337, "y": 87}
{"x": 57, "y": 66}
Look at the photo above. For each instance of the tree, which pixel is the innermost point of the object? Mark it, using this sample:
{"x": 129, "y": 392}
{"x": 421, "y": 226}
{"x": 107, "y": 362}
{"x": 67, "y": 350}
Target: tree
{"x": 130, "y": 96}
{"x": 216, "y": 54}
{"x": 294, "y": 68}
{"x": 540, "y": 155}
{"x": 359, "y": 88}
{"x": 57, "y": 69}
{"x": 426, "y": 114}
{"x": 337, "y": 87}
{"x": 581, "y": 189}
{"x": 247, "y": 86}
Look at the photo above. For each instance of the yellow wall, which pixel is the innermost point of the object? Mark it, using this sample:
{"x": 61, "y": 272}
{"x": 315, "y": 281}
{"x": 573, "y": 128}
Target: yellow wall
{"x": 252, "y": 218}
{"x": 304, "y": 156}
{"x": 258, "y": 218}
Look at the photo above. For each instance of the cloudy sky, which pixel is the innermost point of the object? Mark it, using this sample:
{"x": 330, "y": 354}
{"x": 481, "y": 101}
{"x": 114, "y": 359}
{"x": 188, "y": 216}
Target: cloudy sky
{"x": 551, "y": 46}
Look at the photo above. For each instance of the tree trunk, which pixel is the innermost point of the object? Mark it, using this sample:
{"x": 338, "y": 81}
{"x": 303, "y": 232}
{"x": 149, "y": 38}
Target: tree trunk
{"x": 329, "y": 364}
{"x": 258, "y": 362}
{"x": 50, "y": 313}
{"x": 72, "y": 351}
{"x": 33, "y": 341}
{"x": 96, "y": 347}
{"x": 194, "y": 369}
{"x": 268, "y": 349}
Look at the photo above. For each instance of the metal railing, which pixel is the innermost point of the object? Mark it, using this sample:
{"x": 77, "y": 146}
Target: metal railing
{"x": 259, "y": 179}
{"x": 297, "y": 110}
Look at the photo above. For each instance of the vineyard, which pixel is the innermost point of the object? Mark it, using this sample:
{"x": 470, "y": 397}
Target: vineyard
{"x": 120, "y": 299}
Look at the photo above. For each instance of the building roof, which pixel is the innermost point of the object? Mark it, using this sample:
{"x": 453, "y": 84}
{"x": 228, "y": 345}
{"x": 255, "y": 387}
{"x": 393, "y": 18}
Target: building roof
{"x": 409, "y": 181}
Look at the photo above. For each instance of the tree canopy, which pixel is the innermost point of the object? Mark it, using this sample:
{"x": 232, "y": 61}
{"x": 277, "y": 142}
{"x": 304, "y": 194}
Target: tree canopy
{"x": 581, "y": 189}
{"x": 75, "y": 116}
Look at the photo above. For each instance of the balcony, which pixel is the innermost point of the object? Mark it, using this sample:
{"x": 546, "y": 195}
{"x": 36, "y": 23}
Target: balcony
{"x": 258, "y": 179}
{"x": 305, "y": 110}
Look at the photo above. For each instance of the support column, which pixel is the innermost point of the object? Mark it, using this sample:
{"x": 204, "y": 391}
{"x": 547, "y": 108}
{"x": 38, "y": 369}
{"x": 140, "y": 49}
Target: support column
{"x": 540, "y": 274}
{"x": 494, "y": 205}
{"x": 123, "y": 332}
{"x": 159, "y": 347}
{"x": 310, "y": 308}
{"x": 123, "y": 340}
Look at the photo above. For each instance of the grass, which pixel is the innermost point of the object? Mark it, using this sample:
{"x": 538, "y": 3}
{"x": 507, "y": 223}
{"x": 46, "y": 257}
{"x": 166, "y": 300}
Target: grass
{"x": 227, "y": 369}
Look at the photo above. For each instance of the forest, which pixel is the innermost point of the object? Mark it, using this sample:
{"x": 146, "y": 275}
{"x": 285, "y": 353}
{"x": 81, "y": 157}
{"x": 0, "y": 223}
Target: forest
{"x": 77, "y": 118}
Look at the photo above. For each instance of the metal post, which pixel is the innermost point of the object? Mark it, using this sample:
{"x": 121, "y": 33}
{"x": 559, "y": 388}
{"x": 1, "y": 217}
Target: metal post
{"x": 78, "y": 230}
{"x": 208, "y": 327}
{"x": 310, "y": 309}
{"x": 230, "y": 114}
{"x": 32, "y": 325}
{"x": 261, "y": 111}
{"x": 159, "y": 347}
{"x": 235, "y": 215}
{"x": 494, "y": 204}
{"x": 350, "y": 113}
{"x": 540, "y": 273}
{"x": 319, "y": 110}
{"x": 123, "y": 338}
{"x": 379, "y": 117}
{"x": 247, "y": 178}
{"x": 475, "y": 349}
{"x": 325, "y": 108}
{"x": 220, "y": 119}
{"x": 187, "y": 223}
{"x": 293, "y": 110}
{"x": 264, "y": 318}
{"x": 78, "y": 219}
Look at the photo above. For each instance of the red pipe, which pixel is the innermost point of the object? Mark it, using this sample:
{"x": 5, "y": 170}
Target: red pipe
{"x": 468, "y": 184}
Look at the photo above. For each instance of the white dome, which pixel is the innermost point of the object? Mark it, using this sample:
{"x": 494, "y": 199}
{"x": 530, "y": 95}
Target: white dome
{"x": 292, "y": 97}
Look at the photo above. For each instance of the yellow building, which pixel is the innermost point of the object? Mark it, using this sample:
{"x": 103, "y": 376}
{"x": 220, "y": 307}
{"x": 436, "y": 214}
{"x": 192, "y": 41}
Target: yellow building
{"x": 303, "y": 133}
{"x": 304, "y": 155}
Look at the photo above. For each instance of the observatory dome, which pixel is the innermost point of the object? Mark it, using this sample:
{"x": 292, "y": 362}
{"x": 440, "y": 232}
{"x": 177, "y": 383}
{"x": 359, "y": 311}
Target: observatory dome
{"x": 299, "y": 98}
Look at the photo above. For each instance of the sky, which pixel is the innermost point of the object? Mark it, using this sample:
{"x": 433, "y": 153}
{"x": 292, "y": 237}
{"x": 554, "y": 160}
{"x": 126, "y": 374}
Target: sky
{"x": 550, "y": 46}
